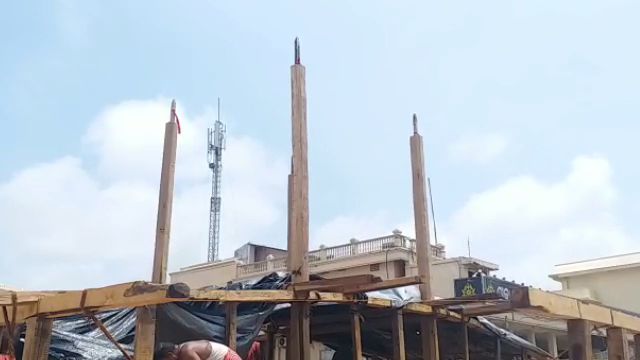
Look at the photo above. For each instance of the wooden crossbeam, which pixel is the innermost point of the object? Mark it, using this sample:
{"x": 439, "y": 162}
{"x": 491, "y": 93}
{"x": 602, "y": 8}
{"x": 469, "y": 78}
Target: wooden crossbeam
{"x": 335, "y": 284}
{"x": 563, "y": 307}
{"x": 383, "y": 285}
{"x": 24, "y": 297}
{"x": 274, "y": 296}
{"x": 112, "y": 297}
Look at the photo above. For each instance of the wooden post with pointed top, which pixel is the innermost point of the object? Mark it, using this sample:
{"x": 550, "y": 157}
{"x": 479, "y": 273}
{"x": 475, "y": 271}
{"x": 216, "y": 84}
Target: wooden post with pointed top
{"x": 146, "y": 316}
{"x": 428, "y": 328}
{"x": 299, "y": 338}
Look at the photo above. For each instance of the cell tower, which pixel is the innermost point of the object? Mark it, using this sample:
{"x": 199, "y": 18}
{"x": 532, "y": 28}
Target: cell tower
{"x": 216, "y": 143}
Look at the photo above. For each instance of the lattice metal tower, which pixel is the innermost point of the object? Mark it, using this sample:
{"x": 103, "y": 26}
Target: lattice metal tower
{"x": 216, "y": 143}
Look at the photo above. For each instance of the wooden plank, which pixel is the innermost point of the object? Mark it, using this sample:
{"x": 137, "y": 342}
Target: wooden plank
{"x": 418, "y": 308}
{"x": 487, "y": 309}
{"x": 335, "y": 284}
{"x": 397, "y": 332}
{"x": 145, "y": 333}
{"x": 277, "y": 296}
{"x": 579, "y": 339}
{"x": 37, "y": 339}
{"x": 232, "y": 325}
{"x": 383, "y": 285}
{"x": 112, "y": 297}
{"x": 356, "y": 334}
{"x": 617, "y": 347}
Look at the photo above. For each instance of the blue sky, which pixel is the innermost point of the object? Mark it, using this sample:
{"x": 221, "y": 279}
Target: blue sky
{"x": 518, "y": 102}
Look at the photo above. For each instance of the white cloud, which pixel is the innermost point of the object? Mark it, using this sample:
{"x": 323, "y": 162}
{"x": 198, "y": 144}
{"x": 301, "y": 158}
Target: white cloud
{"x": 527, "y": 226}
{"x": 478, "y": 148}
{"x": 81, "y": 221}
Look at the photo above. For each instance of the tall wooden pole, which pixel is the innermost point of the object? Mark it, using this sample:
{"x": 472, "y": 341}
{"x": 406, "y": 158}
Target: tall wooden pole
{"x": 428, "y": 328}
{"x": 165, "y": 201}
{"x": 146, "y": 322}
{"x": 298, "y": 214}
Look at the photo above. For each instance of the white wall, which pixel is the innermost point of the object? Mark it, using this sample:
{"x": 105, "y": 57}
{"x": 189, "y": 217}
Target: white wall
{"x": 617, "y": 288}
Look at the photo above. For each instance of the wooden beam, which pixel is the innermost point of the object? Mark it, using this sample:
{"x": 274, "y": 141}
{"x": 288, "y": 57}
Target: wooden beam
{"x": 37, "y": 339}
{"x": 382, "y": 285}
{"x": 112, "y": 297}
{"x": 145, "y": 333}
{"x": 356, "y": 334}
{"x": 271, "y": 296}
{"x": 579, "y": 339}
{"x": 563, "y": 307}
{"x": 617, "y": 346}
{"x": 397, "y": 332}
{"x": 232, "y": 325}
{"x": 335, "y": 284}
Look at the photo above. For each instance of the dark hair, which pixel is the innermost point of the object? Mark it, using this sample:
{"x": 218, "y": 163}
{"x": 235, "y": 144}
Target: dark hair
{"x": 164, "y": 350}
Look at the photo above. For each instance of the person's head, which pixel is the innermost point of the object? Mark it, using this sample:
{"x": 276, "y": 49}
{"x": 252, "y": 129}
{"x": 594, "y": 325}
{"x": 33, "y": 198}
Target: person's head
{"x": 166, "y": 352}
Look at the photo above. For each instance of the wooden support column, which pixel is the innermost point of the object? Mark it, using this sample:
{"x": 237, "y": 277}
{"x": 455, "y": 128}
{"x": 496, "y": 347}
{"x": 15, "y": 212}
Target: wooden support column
{"x": 636, "y": 346}
{"x": 498, "y": 349}
{"x": 232, "y": 325}
{"x": 269, "y": 345}
{"x": 145, "y": 323}
{"x": 465, "y": 339}
{"x": 579, "y": 339}
{"x": 298, "y": 341}
{"x": 356, "y": 334}
{"x": 37, "y": 339}
{"x": 397, "y": 330}
{"x": 428, "y": 327}
{"x": 617, "y": 346}
{"x": 552, "y": 344}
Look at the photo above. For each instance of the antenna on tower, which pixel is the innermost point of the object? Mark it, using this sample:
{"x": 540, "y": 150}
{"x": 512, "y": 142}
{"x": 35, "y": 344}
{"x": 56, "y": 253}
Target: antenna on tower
{"x": 216, "y": 143}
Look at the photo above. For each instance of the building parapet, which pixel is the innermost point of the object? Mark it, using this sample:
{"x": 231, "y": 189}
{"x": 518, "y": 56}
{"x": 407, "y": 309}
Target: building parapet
{"x": 355, "y": 247}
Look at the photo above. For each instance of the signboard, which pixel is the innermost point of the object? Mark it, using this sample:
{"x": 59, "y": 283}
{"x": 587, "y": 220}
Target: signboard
{"x": 481, "y": 285}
